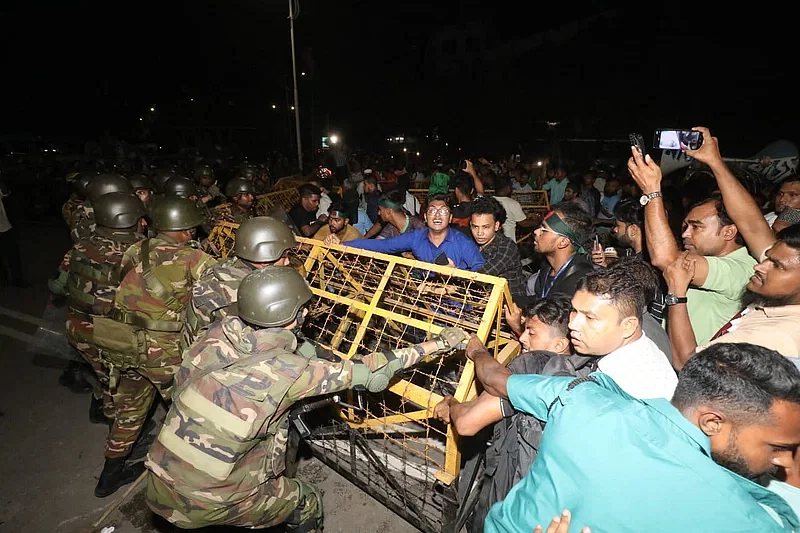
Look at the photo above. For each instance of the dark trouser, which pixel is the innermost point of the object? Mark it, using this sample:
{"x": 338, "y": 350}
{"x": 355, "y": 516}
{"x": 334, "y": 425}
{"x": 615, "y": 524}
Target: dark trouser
{"x": 10, "y": 264}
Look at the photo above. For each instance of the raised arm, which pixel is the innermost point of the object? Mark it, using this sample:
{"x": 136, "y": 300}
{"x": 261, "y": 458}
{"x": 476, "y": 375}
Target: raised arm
{"x": 476, "y": 181}
{"x": 660, "y": 242}
{"x": 739, "y": 203}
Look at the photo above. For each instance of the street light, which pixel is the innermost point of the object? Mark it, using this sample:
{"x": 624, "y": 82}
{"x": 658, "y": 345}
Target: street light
{"x": 302, "y": 73}
{"x": 417, "y": 154}
{"x": 292, "y": 108}
{"x": 274, "y": 106}
{"x": 333, "y": 139}
{"x": 152, "y": 109}
{"x": 294, "y": 79}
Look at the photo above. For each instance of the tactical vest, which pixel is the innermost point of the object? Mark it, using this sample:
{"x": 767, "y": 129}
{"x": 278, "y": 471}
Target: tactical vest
{"x": 85, "y": 279}
{"x": 219, "y": 456}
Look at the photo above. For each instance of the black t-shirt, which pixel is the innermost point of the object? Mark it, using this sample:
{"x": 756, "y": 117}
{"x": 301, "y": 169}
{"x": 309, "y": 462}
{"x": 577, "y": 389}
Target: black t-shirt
{"x": 461, "y": 217}
{"x": 301, "y": 217}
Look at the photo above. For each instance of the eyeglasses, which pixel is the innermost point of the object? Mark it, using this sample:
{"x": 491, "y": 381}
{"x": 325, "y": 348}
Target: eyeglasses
{"x": 440, "y": 210}
{"x": 543, "y": 228}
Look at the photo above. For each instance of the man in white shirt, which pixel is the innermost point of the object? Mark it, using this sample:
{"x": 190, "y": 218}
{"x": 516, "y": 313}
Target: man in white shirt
{"x": 514, "y": 212}
{"x": 606, "y": 320}
{"x": 10, "y": 265}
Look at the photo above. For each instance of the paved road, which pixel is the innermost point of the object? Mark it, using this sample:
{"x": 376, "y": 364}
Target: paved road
{"x": 51, "y": 454}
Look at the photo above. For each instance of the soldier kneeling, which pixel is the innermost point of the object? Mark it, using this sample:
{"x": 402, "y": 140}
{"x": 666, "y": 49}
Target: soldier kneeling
{"x": 220, "y": 456}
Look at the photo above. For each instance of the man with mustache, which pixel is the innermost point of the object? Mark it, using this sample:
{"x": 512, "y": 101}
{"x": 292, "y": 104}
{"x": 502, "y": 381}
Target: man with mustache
{"x": 770, "y": 308}
{"x": 714, "y": 244}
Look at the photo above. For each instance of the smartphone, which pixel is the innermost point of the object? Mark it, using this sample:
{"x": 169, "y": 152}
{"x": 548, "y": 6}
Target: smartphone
{"x": 678, "y": 139}
{"x": 441, "y": 259}
{"x": 638, "y": 141}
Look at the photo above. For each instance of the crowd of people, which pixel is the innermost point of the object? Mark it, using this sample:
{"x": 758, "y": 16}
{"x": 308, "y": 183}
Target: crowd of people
{"x": 660, "y": 353}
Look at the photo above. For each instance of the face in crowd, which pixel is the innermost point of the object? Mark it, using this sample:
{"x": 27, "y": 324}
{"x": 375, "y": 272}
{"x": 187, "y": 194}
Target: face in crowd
{"x": 596, "y": 326}
{"x": 437, "y": 216}
{"x": 337, "y": 224}
{"x": 704, "y": 232}
{"x": 483, "y": 227}
{"x": 310, "y": 203}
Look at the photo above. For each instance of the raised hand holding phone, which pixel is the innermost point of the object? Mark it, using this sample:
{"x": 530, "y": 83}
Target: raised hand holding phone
{"x": 598, "y": 255}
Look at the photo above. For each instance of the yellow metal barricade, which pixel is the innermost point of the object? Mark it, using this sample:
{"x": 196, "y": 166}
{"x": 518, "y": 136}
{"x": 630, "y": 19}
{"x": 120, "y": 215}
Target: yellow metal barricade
{"x": 283, "y": 199}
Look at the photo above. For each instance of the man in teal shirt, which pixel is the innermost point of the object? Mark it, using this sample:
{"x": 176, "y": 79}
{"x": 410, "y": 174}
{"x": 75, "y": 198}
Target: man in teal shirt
{"x": 625, "y": 465}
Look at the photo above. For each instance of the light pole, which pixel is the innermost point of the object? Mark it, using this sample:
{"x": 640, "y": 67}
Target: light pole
{"x": 296, "y": 98}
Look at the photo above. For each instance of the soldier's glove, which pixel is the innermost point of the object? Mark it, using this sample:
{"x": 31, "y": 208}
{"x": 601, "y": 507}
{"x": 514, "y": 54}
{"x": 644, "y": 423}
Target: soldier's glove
{"x": 450, "y": 339}
{"x": 58, "y": 286}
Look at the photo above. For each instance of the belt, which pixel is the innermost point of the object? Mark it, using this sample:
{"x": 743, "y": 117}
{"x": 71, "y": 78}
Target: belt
{"x": 145, "y": 323}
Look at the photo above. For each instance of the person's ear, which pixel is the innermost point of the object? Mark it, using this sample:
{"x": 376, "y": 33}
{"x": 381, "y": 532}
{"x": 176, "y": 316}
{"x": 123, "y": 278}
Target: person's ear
{"x": 563, "y": 242}
{"x": 629, "y": 326}
{"x": 729, "y": 232}
{"x": 560, "y": 345}
{"x": 497, "y": 226}
{"x": 710, "y": 421}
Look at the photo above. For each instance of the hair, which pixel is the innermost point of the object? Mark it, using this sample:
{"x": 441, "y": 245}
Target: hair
{"x": 641, "y": 271}
{"x": 486, "y": 205}
{"x": 370, "y": 178}
{"x": 791, "y": 178}
{"x": 620, "y": 286}
{"x": 396, "y": 196}
{"x": 790, "y": 236}
{"x": 576, "y": 219}
{"x": 339, "y": 206}
{"x": 554, "y": 311}
{"x": 307, "y": 190}
{"x": 741, "y": 378}
{"x": 403, "y": 182}
{"x": 463, "y": 182}
{"x": 630, "y": 212}
{"x": 572, "y": 187}
{"x": 502, "y": 185}
{"x": 441, "y": 197}
{"x": 722, "y": 214}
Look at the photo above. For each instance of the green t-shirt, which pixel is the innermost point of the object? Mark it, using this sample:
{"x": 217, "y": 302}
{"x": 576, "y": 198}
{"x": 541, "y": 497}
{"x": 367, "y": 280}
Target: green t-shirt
{"x": 719, "y": 299}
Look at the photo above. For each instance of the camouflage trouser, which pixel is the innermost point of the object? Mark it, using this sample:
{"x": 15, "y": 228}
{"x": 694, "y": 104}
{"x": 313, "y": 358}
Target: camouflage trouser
{"x": 278, "y": 501}
{"x": 79, "y": 335}
{"x": 136, "y": 391}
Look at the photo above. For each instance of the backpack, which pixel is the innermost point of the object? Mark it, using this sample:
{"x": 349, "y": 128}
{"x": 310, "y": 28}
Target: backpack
{"x": 515, "y": 439}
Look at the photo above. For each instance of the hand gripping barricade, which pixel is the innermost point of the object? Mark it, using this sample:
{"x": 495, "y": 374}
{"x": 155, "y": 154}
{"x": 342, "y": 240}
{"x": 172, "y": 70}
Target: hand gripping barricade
{"x": 388, "y": 443}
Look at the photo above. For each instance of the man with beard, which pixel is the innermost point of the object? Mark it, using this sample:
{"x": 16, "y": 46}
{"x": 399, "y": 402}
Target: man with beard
{"x": 736, "y": 406}
{"x": 788, "y": 197}
{"x": 338, "y": 226}
{"x": 770, "y": 312}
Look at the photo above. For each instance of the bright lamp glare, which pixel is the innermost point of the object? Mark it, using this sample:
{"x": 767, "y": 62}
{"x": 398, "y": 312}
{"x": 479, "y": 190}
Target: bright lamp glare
{"x": 333, "y": 139}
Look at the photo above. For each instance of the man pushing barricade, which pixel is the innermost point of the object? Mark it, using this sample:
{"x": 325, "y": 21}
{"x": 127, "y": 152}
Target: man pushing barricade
{"x": 220, "y": 456}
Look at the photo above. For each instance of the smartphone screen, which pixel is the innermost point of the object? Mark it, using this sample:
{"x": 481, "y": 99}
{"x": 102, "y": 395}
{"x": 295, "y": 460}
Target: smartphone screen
{"x": 677, "y": 139}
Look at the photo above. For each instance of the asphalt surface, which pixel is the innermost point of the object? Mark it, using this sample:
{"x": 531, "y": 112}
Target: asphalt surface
{"x": 51, "y": 455}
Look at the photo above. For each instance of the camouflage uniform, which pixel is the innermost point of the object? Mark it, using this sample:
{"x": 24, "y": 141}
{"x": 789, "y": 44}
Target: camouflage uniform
{"x": 212, "y": 295}
{"x": 231, "y": 213}
{"x": 220, "y": 455}
{"x": 93, "y": 276}
{"x": 81, "y": 222}
{"x": 69, "y": 207}
{"x": 152, "y": 300}
{"x": 212, "y": 191}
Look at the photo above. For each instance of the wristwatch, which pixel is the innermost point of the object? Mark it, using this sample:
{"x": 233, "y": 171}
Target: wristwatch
{"x": 645, "y": 198}
{"x": 671, "y": 299}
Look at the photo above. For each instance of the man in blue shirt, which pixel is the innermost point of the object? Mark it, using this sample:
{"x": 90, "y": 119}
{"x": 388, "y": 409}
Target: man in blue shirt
{"x": 625, "y": 465}
{"x": 611, "y": 197}
{"x": 429, "y": 244}
{"x": 557, "y": 186}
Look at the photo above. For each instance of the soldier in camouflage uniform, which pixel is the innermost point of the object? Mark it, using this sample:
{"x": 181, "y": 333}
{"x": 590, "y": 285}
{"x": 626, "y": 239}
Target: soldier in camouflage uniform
{"x": 92, "y": 277}
{"x": 260, "y": 242}
{"x": 185, "y": 188}
{"x": 240, "y": 192}
{"x": 220, "y": 456}
{"x": 141, "y": 346}
{"x": 207, "y": 188}
{"x": 144, "y": 188}
{"x": 77, "y": 198}
{"x": 160, "y": 180}
{"x": 83, "y": 223}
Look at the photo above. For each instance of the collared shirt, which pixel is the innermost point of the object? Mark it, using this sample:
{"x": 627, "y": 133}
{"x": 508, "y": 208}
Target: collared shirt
{"x": 609, "y": 203}
{"x": 458, "y": 247}
{"x": 556, "y": 189}
{"x": 625, "y": 465}
{"x": 502, "y": 259}
{"x": 514, "y": 214}
{"x": 776, "y": 328}
{"x": 641, "y": 369}
{"x": 711, "y": 305}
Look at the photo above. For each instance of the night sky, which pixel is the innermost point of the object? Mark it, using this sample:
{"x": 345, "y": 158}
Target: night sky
{"x": 83, "y": 67}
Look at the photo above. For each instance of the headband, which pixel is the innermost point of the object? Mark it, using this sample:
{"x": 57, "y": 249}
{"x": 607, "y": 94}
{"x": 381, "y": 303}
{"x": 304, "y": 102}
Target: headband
{"x": 338, "y": 214}
{"x": 560, "y": 227}
{"x": 390, "y": 205}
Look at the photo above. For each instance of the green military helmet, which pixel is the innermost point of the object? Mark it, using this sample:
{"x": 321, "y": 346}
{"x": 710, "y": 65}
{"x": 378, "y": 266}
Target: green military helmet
{"x": 161, "y": 178}
{"x": 272, "y": 296}
{"x": 174, "y": 213}
{"x": 203, "y": 171}
{"x": 80, "y": 181}
{"x": 248, "y": 172}
{"x": 239, "y": 186}
{"x": 118, "y": 210}
{"x": 263, "y": 240}
{"x": 140, "y": 182}
{"x": 180, "y": 186}
{"x": 107, "y": 183}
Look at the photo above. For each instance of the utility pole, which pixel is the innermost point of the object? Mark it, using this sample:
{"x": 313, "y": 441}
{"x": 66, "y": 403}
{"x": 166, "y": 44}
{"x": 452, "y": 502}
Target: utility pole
{"x": 296, "y": 98}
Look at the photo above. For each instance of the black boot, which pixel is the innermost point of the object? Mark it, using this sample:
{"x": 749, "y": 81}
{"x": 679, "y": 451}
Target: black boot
{"x": 116, "y": 474}
{"x": 96, "y": 414}
{"x": 73, "y": 378}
